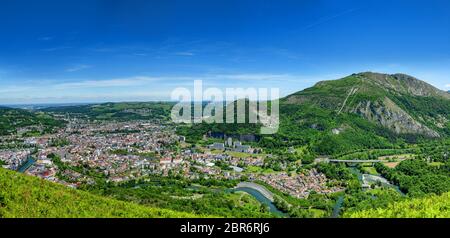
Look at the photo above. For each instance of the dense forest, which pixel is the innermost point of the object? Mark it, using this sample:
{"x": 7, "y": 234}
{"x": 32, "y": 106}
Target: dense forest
{"x": 416, "y": 177}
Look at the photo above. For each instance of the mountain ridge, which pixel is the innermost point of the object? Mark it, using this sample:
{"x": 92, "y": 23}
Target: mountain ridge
{"x": 380, "y": 98}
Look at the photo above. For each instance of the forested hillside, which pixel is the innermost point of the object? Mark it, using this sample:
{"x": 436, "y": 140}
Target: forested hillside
{"x": 13, "y": 119}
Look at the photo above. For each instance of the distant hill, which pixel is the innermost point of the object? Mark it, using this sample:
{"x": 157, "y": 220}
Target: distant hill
{"x": 13, "y": 119}
{"x": 430, "y": 207}
{"x": 118, "y": 111}
{"x": 23, "y": 196}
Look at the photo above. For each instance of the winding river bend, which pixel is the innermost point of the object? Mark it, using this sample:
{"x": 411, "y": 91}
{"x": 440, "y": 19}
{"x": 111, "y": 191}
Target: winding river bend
{"x": 261, "y": 194}
{"x": 364, "y": 179}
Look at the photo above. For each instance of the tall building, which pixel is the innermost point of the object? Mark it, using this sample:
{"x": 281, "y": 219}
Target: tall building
{"x": 230, "y": 142}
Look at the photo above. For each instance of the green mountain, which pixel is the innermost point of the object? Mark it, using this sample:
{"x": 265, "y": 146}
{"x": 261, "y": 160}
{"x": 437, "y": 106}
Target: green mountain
{"x": 429, "y": 207}
{"x": 23, "y": 196}
{"x": 366, "y": 110}
{"x": 13, "y": 119}
{"x": 398, "y": 102}
{"x": 361, "y": 111}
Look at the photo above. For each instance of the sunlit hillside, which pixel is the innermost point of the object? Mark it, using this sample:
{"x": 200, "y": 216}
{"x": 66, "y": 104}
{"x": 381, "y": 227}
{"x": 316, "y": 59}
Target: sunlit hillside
{"x": 23, "y": 196}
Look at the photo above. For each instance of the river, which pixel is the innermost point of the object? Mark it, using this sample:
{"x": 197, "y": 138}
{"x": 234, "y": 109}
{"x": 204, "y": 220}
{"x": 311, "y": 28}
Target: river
{"x": 361, "y": 177}
{"x": 261, "y": 194}
{"x": 262, "y": 199}
{"x": 368, "y": 178}
{"x": 25, "y": 166}
{"x": 337, "y": 207}
{"x": 254, "y": 190}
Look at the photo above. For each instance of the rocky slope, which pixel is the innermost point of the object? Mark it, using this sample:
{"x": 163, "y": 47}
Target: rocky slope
{"x": 401, "y": 103}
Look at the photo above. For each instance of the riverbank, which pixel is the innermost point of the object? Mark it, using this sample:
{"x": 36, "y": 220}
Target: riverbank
{"x": 262, "y": 194}
{"x": 261, "y": 189}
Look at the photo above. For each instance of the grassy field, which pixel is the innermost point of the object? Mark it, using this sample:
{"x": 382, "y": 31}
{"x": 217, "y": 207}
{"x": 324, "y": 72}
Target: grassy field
{"x": 436, "y": 164}
{"x": 23, "y": 196}
{"x": 370, "y": 170}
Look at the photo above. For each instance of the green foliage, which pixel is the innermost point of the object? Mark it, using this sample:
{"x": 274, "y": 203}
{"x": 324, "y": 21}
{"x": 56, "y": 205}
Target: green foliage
{"x": 428, "y": 207}
{"x": 201, "y": 197}
{"x": 310, "y": 116}
{"x": 13, "y": 119}
{"x": 119, "y": 111}
{"x": 29, "y": 197}
{"x": 416, "y": 177}
{"x": 335, "y": 171}
{"x": 358, "y": 200}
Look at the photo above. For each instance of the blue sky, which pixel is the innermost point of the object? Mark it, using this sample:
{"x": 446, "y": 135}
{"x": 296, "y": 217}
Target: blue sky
{"x": 138, "y": 50}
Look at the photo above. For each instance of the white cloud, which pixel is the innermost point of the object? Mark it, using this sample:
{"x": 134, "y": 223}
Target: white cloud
{"x": 256, "y": 77}
{"x": 14, "y": 89}
{"x": 45, "y": 38}
{"x": 184, "y": 54}
{"x": 76, "y": 68}
{"x": 123, "y": 82}
{"x": 140, "y": 54}
{"x": 141, "y": 87}
{"x": 57, "y": 48}
{"x": 447, "y": 86}
{"x": 87, "y": 97}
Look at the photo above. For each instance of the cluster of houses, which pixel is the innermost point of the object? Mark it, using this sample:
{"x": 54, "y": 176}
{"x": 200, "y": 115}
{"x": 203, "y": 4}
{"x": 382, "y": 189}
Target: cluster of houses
{"x": 13, "y": 159}
{"x": 299, "y": 185}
